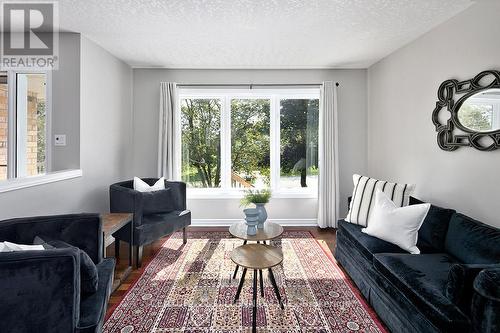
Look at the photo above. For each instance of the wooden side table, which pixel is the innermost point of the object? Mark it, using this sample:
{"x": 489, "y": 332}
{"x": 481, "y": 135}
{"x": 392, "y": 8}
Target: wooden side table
{"x": 257, "y": 257}
{"x": 111, "y": 223}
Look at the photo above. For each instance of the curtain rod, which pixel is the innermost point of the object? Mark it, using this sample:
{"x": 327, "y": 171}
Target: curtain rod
{"x": 251, "y": 85}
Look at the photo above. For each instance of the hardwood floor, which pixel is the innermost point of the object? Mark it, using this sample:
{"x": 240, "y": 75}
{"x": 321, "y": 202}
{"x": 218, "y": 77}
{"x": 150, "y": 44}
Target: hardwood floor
{"x": 325, "y": 237}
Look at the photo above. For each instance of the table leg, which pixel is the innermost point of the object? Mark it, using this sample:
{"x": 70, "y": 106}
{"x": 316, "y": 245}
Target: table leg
{"x": 254, "y": 312}
{"x": 261, "y": 283}
{"x": 235, "y": 272}
{"x": 130, "y": 256}
{"x": 236, "y": 268}
{"x": 275, "y": 287}
{"x": 240, "y": 285}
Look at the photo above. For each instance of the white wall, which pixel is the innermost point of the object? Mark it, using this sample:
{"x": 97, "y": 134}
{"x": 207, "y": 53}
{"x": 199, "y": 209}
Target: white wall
{"x": 402, "y": 91}
{"x": 352, "y": 132}
{"x": 105, "y": 91}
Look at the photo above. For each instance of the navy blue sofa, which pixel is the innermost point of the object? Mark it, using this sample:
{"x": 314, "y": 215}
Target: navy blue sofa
{"x": 452, "y": 286}
{"x": 40, "y": 290}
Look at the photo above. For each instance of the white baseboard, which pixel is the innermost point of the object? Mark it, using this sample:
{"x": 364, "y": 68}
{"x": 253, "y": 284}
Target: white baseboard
{"x": 228, "y": 222}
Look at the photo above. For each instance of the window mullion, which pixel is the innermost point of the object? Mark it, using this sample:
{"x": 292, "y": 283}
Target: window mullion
{"x": 275, "y": 143}
{"x": 226, "y": 143}
{"x": 12, "y": 126}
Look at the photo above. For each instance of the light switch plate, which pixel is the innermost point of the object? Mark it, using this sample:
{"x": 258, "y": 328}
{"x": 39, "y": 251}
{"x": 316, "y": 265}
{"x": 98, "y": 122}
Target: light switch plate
{"x": 60, "y": 140}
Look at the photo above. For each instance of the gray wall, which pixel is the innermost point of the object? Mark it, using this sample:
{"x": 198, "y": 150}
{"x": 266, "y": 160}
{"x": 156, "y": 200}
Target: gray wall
{"x": 402, "y": 92}
{"x": 105, "y": 141}
{"x": 352, "y": 132}
{"x": 66, "y": 103}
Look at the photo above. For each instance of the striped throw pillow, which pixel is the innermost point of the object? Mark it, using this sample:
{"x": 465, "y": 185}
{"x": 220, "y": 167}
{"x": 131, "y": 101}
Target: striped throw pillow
{"x": 362, "y": 200}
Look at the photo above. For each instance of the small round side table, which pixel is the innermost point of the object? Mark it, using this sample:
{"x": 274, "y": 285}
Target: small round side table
{"x": 270, "y": 231}
{"x": 257, "y": 257}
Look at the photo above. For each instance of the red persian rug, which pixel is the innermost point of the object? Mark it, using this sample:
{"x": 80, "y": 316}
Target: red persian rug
{"x": 188, "y": 288}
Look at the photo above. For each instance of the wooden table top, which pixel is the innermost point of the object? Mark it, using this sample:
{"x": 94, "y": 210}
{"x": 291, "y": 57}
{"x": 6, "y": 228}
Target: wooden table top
{"x": 257, "y": 256}
{"x": 270, "y": 231}
{"x": 112, "y": 222}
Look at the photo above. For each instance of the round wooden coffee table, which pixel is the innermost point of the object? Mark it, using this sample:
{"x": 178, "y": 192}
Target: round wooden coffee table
{"x": 270, "y": 231}
{"x": 257, "y": 257}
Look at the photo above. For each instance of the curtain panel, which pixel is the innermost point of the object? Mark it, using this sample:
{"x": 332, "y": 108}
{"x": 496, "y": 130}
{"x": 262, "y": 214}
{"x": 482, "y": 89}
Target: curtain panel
{"x": 328, "y": 196}
{"x": 169, "y": 136}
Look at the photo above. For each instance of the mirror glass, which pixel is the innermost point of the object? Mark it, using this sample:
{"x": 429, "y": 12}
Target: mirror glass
{"x": 481, "y": 112}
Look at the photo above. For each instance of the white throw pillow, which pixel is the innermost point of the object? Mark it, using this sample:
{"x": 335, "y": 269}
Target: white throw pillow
{"x": 142, "y": 186}
{"x": 11, "y": 247}
{"x": 361, "y": 207}
{"x": 396, "y": 225}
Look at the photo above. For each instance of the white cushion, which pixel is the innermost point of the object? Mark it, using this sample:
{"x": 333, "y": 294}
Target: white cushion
{"x": 11, "y": 247}
{"x": 396, "y": 225}
{"x": 142, "y": 186}
{"x": 361, "y": 207}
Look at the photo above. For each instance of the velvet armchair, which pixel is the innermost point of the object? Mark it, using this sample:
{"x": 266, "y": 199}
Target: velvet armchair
{"x": 155, "y": 214}
{"x": 41, "y": 289}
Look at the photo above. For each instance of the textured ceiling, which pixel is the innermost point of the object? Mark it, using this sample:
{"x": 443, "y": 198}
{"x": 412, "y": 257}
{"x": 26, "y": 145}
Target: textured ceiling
{"x": 254, "y": 34}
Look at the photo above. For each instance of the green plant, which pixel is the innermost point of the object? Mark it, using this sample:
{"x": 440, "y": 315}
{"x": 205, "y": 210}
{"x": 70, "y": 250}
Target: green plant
{"x": 256, "y": 196}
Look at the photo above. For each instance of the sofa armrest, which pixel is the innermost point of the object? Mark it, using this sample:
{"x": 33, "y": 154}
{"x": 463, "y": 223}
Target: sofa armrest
{"x": 40, "y": 290}
{"x": 485, "y": 310}
{"x": 178, "y": 190}
{"x": 81, "y": 230}
{"x": 126, "y": 200}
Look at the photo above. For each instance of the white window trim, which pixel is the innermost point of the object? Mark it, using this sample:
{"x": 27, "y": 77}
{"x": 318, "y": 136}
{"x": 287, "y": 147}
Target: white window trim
{"x": 225, "y": 95}
{"x": 20, "y": 183}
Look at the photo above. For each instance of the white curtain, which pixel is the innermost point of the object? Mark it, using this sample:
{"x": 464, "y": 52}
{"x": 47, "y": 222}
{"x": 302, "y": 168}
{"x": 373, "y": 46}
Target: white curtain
{"x": 328, "y": 196}
{"x": 168, "y": 144}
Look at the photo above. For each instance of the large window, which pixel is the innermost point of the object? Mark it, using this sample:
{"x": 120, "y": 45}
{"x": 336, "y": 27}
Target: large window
{"x": 23, "y": 124}
{"x": 238, "y": 139}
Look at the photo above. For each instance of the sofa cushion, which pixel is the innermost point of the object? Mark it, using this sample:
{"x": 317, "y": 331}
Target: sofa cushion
{"x": 88, "y": 270}
{"x": 157, "y": 202}
{"x": 472, "y": 242}
{"x": 432, "y": 233}
{"x": 155, "y": 226}
{"x": 366, "y": 244}
{"x": 422, "y": 279}
{"x": 487, "y": 284}
{"x": 93, "y": 306}
{"x": 459, "y": 286}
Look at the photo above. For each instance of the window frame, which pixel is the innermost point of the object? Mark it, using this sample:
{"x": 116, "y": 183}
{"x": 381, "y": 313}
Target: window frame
{"x": 12, "y": 127}
{"x": 226, "y": 95}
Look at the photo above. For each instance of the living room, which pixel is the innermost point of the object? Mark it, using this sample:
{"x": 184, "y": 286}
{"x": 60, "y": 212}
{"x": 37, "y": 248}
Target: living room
{"x": 235, "y": 166}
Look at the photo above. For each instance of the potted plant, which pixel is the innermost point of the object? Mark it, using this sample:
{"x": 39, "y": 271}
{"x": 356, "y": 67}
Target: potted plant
{"x": 258, "y": 197}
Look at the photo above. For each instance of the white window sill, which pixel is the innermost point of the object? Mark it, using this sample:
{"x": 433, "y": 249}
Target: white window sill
{"x": 19, "y": 183}
{"x": 215, "y": 194}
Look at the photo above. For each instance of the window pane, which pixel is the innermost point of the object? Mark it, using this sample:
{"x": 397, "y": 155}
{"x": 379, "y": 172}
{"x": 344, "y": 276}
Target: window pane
{"x": 299, "y": 143}
{"x": 250, "y": 142}
{"x": 200, "y": 125}
{"x": 30, "y": 118}
{"x": 3, "y": 125}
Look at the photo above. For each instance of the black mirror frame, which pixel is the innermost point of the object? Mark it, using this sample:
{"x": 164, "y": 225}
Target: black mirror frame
{"x": 446, "y": 98}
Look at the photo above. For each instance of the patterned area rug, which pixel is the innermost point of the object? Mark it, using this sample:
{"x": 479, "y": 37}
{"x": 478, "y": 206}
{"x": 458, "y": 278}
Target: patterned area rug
{"x": 188, "y": 288}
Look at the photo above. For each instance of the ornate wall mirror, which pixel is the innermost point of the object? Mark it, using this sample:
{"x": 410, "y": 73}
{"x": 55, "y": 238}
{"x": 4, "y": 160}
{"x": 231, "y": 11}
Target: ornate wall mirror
{"x": 467, "y": 113}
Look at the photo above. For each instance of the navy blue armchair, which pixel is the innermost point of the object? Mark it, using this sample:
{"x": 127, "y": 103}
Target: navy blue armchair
{"x": 40, "y": 290}
{"x": 155, "y": 214}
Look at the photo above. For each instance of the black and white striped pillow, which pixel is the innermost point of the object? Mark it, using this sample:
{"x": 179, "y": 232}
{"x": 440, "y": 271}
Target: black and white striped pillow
{"x": 364, "y": 193}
